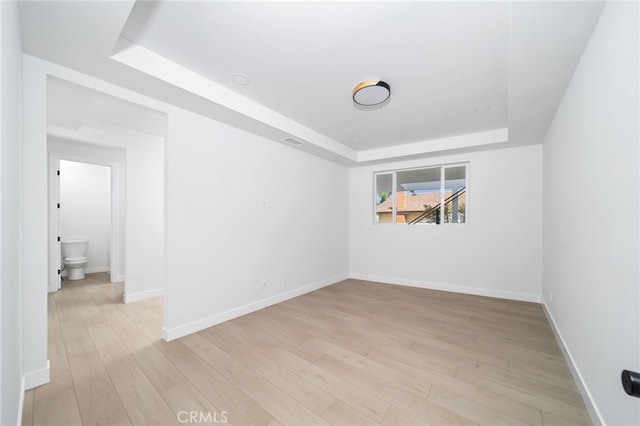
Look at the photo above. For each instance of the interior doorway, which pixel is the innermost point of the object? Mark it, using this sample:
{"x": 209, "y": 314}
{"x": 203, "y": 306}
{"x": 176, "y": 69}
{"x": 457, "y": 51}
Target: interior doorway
{"x": 84, "y": 217}
{"x": 97, "y": 218}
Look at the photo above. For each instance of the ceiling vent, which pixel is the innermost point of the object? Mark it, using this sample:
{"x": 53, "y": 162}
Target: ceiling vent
{"x": 292, "y": 141}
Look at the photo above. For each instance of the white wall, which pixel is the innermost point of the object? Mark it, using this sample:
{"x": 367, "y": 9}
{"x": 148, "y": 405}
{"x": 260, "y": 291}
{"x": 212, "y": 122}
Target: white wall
{"x": 591, "y": 254}
{"x": 496, "y": 253}
{"x": 222, "y": 245}
{"x": 35, "y": 248}
{"x": 85, "y": 210}
{"x": 10, "y": 258}
{"x": 207, "y": 258}
{"x": 145, "y": 219}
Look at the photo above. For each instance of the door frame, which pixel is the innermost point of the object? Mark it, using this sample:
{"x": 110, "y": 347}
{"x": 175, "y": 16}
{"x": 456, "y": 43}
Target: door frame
{"x": 117, "y": 237}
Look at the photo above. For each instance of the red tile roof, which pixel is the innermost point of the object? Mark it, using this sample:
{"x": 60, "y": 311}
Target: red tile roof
{"x": 410, "y": 202}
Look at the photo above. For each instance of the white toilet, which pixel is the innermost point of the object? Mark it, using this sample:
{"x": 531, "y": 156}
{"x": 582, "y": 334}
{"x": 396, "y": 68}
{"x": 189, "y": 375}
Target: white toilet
{"x": 74, "y": 257}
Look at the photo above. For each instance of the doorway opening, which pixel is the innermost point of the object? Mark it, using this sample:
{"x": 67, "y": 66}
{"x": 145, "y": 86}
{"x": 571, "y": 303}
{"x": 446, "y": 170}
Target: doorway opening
{"x": 84, "y": 218}
{"x": 86, "y": 204}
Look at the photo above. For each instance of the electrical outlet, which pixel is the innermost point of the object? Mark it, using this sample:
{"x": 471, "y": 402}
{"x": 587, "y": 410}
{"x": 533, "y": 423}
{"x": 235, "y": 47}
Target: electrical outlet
{"x": 264, "y": 284}
{"x": 284, "y": 280}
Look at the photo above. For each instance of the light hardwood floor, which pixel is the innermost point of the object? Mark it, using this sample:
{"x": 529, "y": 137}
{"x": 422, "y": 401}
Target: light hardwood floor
{"x": 354, "y": 353}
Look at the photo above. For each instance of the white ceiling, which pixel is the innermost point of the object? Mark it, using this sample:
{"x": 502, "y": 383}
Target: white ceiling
{"x": 443, "y": 60}
{"x": 74, "y": 107}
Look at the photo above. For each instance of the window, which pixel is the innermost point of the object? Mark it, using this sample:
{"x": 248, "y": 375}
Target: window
{"x": 433, "y": 195}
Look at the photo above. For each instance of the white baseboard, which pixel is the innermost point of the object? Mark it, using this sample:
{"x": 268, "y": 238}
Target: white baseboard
{"x": 118, "y": 278}
{"x": 141, "y": 295}
{"x": 37, "y": 378}
{"x": 96, "y": 269}
{"x": 93, "y": 270}
{"x": 191, "y": 327}
{"x": 594, "y": 413}
{"x": 501, "y": 294}
{"x": 21, "y": 401}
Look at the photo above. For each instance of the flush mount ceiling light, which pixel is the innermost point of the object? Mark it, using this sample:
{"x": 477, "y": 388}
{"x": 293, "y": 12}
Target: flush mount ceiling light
{"x": 371, "y": 92}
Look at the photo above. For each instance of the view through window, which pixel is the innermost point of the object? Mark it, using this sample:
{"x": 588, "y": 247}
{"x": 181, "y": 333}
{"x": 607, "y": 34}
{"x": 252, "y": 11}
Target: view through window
{"x": 431, "y": 195}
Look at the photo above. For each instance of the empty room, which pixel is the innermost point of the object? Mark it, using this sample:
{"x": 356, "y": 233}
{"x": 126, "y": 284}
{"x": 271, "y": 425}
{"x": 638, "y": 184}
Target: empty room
{"x": 305, "y": 213}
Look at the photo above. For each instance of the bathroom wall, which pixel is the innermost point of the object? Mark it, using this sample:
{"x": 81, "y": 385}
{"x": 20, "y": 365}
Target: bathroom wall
{"x": 85, "y": 209}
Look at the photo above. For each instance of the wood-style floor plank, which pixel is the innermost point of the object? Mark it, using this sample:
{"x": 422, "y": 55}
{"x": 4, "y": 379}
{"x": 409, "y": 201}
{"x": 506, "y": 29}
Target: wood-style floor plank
{"x": 59, "y": 374}
{"x": 354, "y": 353}
{"x": 473, "y": 393}
{"x": 241, "y": 409}
{"x": 410, "y": 383}
{"x": 185, "y": 398}
{"x": 470, "y": 409}
{"x": 532, "y": 394}
{"x": 396, "y": 416}
{"x": 281, "y": 406}
{"x": 390, "y": 392}
{"x": 340, "y": 413}
{"x": 142, "y": 401}
{"x": 27, "y": 408}
{"x": 218, "y": 359}
{"x": 365, "y": 402}
{"x": 160, "y": 371}
{"x": 309, "y": 395}
{"x": 60, "y": 409}
{"x": 95, "y": 392}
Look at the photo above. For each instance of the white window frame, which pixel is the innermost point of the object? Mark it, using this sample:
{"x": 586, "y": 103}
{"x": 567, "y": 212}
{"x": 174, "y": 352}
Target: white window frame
{"x": 442, "y": 168}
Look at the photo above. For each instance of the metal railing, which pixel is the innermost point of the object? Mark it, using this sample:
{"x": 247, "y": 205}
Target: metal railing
{"x": 435, "y": 210}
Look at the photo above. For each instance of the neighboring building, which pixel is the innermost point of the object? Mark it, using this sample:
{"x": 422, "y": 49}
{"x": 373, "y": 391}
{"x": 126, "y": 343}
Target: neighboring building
{"x": 411, "y": 206}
